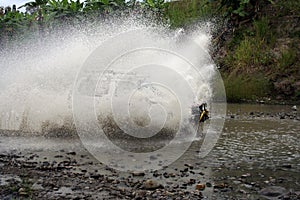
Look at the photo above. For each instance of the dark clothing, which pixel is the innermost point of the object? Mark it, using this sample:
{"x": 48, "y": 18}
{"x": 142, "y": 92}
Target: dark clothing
{"x": 202, "y": 107}
{"x": 203, "y": 112}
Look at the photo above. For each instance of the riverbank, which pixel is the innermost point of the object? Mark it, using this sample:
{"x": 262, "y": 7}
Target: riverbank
{"x": 258, "y": 54}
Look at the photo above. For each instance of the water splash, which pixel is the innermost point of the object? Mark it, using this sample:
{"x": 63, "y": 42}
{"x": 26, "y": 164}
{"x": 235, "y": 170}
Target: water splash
{"x": 37, "y": 76}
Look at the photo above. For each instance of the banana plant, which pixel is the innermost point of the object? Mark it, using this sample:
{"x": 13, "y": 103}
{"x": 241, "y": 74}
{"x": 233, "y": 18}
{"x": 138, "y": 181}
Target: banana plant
{"x": 33, "y": 6}
{"x": 155, "y": 5}
{"x": 104, "y": 5}
{"x": 60, "y": 9}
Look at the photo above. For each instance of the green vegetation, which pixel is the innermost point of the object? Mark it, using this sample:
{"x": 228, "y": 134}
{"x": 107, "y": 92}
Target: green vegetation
{"x": 257, "y": 48}
{"x": 263, "y": 45}
{"x": 243, "y": 87}
{"x": 185, "y": 12}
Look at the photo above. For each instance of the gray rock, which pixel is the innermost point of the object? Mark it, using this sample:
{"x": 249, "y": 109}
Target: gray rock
{"x": 37, "y": 186}
{"x": 138, "y": 173}
{"x": 151, "y": 184}
{"x": 71, "y": 153}
{"x": 273, "y": 191}
{"x": 152, "y": 157}
{"x": 64, "y": 191}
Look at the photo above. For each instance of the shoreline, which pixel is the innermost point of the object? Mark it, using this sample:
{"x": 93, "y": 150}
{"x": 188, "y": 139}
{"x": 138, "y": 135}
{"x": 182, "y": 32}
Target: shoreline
{"x": 267, "y": 102}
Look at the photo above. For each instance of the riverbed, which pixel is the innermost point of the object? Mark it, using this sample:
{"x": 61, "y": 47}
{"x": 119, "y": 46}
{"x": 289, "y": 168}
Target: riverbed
{"x": 256, "y": 157}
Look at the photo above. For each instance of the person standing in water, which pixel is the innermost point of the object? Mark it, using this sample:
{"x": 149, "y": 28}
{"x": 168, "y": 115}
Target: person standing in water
{"x": 203, "y": 112}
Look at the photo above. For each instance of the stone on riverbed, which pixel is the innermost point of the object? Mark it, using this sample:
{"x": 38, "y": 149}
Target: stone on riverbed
{"x": 151, "y": 185}
{"x": 37, "y": 186}
{"x": 273, "y": 191}
{"x": 200, "y": 186}
{"x": 138, "y": 173}
{"x": 22, "y": 192}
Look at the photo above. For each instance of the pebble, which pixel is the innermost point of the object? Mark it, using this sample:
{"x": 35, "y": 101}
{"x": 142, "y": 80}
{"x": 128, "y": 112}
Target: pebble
{"x": 237, "y": 182}
{"x": 138, "y": 173}
{"x": 246, "y": 175}
{"x": 152, "y": 157}
{"x": 200, "y": 186}
{"x": 71, "y": 153}
{"x": 151, "y": 184}
{"x": 37, "y": 186}
{"x": 208, "y": 184}
{"x": 189, "y": 165}
{"x": 220, "y": 186}
{"x": 22, "y": 192}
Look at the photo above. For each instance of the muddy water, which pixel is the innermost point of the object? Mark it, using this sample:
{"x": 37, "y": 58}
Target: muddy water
{"x": 256, "y": 149}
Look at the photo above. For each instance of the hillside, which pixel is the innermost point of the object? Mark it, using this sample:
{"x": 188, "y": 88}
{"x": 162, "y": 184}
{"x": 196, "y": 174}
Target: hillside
{"x": 256, "y": 43}
{"x": 259, "y": 54}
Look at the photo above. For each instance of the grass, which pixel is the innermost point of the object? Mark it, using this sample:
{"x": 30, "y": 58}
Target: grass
{"x": 251, "y": 47}
{"x": 287, "y": 59}
{"x": 261, "y": 28}
{"x": 185, "y": 12}
{"x": 288, "y": 7}
{"x": 251, "y": 54}
{"x": 239, "y": 88}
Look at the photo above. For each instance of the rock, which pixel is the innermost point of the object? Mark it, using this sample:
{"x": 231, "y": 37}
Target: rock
{"x": 237, "y": 182}
{"x": 200, "y": 186}
{"x": 220, "y": 186}
{"x": 152, "y": 157}
{"x": 138, "y": 173}
{"x": 22, "y": 192}
{"x": 242, "y": 191}
{"x": 288, "y": 166}
{"x": 64, "y": 191}
{"x": 282, "y": 116}
{"x": 246, "y": 175}
{"x": 184, "y": 170}
{"x": 189, "y": 166}
{"x": 151, "y": 184}
{"x": 294, "y": 108}
{"x": 37, "y": 186}
{"x": 71, "y": 153}
{"x": 139, "y": 194}
{"x": 208, "y": 184}
{"x": 273, "y": 191}
{"x": 166, "y": 175}
{"x": 192, "y": 181}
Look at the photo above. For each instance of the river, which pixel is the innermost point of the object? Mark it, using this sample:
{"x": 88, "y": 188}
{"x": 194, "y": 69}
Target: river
{"x": 259, "y": 148}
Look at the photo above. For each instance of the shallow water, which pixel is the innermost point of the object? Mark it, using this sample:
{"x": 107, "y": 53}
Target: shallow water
{"x": 260, "y": 144}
